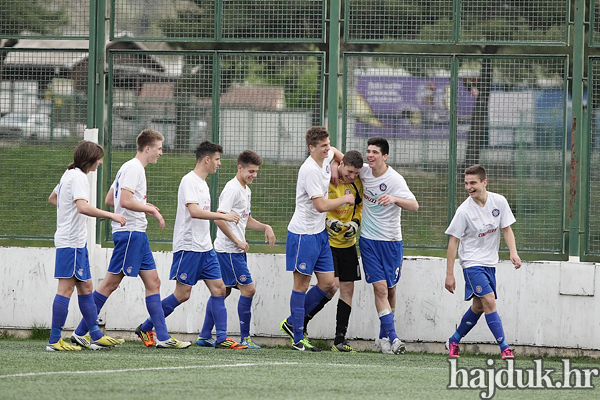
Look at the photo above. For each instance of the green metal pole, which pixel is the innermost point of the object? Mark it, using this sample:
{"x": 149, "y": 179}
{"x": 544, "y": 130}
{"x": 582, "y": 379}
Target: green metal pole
{"x": 577, "y": 144}
{"x": 452, "y": 138}
{"x": 214, "y": 178}
{"x": 334, "y": 61}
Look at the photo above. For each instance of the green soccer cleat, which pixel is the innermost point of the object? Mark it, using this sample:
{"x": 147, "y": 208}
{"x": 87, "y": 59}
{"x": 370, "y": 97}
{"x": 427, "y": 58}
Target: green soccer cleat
{"x": 172, "y": 343}
{"x": 343, "y": 347}
{"x": 249, "y": 343}
{"x": 304, "y": 345}
{"x": 105, "y": 342}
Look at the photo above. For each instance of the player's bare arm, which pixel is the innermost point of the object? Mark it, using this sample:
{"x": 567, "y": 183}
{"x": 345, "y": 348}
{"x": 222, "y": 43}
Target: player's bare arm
{"x": 222, "y": 224}
{"x": 323, "y": 205}
{"x": 509, "y": 238}
{"x": 109, "y": 200}
{"x": 85, "y": 208}
{"x": 53, "y": 198}
{"x": 197, "y": 212}
{"x": 127, "y": 201}
{"x": 450, "y": 258}
{"x": 259, "y": 226}
{"x": 405, "y": 204}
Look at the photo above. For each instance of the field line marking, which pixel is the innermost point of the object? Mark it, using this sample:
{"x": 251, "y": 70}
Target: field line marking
{"x": 146, "y": 369}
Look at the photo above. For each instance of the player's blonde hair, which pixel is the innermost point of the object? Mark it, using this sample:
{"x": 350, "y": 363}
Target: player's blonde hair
{"x": 85, "y": 155}
{"x": 147, "y": 138}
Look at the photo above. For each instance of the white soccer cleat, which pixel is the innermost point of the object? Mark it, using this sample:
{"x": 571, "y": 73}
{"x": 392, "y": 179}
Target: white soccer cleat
{"x": 385, "y": 345}
{"x": 398, "y": 346}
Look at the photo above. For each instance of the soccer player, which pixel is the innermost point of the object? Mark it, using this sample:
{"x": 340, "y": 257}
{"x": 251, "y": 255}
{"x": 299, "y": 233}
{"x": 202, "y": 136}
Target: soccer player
{"x": 342, "y": 226}
{"x": 231, "y": 245}
{"x": 72, "y": 268}
{"x": 385, "y": 194}
{"x": 475, "y": 232}
{"x": 307, "y": 247}
{"x": 193, "y": 256}
{"x": 132, "y": 255}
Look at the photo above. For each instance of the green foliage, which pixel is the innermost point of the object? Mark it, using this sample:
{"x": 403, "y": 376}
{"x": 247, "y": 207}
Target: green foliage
{"x": 19, "y": 16}
{"x": 39, "y": 332}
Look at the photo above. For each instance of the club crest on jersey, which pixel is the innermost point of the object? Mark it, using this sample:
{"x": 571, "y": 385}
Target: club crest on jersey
{"x": 183, "y": 276}
{"x": 347, "y": 191}
{"x": 243, "y": 278}
{"x": 327, "y": 169}
{"x": 478, "y": 289}
{"x": 302, "y": 266}
{"x": 382, "y": 187}
{"x": 80, "y": 272}
{"x": 129, "y": 269}
{"x": 495, "y": 212}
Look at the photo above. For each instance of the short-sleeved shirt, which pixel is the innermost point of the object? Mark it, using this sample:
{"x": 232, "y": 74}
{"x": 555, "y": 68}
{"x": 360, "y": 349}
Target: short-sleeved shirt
{"x": 382, "y": 222}
{"x": 345, "y": 212}
{"x": 313, "y": 181}
{"x": 234, "y": 198}
{"x": 131, "y": 177}
{"x": 70, "y": 224}
{"x": 478, "y": 229}
{"x": 192, "y": 234}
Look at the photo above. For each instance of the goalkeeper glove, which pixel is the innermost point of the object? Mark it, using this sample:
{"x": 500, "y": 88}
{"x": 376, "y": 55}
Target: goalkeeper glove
{"x": 352, "y": 229}
{"x": 333, "y": 227}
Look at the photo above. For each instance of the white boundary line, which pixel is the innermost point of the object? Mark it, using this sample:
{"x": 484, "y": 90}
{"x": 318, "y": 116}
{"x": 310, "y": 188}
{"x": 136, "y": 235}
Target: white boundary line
{"x": 146, "y": 369}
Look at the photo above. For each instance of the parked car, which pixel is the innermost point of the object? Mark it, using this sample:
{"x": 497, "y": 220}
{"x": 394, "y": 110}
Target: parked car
{"x": 29, "y": 126}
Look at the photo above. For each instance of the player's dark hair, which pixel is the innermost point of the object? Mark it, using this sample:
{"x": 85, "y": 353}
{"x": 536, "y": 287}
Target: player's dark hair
{"x": 477, "y": 170}
{"x": 147, "y": 138}
{"x": 85, "y": 155}
{"x": 316, "y": 134}
{"x": 353, "y": 158}
{"x": 249, "y": 157}
{"x": 380, "y": 142}
{"x": 207, "y": 148}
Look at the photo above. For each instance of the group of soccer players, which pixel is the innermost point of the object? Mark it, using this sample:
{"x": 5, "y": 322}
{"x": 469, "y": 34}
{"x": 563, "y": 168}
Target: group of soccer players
{"x": 336, "y": 195}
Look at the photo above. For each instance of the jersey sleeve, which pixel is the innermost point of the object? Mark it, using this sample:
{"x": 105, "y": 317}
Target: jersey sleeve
{"x": 131, "y": 178}
{"x": 188, "y": 192}
{"x": 226, "y": 200}
{"x": 402, "y": 190}
{"x": 312, "y": 185}
{"x": 359, "y": 208}
{"x": 363, "y": 170}
{"x": 457, "y": 226}
{"x": 81, "y": 188}
{"x": 506, "y": 217}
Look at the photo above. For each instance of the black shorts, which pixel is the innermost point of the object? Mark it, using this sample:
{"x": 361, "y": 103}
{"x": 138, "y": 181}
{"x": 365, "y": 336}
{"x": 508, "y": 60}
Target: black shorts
{"x": 345, "y": 263}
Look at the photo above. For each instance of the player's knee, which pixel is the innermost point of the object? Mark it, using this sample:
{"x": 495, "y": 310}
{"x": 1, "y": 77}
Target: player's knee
{"x": 248, "y": 291}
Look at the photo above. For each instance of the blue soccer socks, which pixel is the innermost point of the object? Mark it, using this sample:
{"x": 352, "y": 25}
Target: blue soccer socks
{"x": 387, "y": 326}
{"x": 154, "y": 306}
{"x": 168, "y": 305}
{"x": 209, "y": 321}
{"x": 495, "y": 325}
{"x": 245, "y": 314}
{"x": 297, "y": 309}
{"x": 219, "y": 314}
{"x": 60, "y": 309}
{"x": 466, "y": 324}
{"x": 99, "y": 300}
{"x": 90, "y": 315}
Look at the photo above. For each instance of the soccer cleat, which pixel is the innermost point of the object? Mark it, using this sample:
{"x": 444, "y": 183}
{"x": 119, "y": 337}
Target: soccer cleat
{"x": 172, "y": 343}
{"x": 61, "y": 345}
{"x": 453, "y": 350}
{"x": 83, "y": 341}
{"x": 385, "y": 345}
{"x": 343, "y": 347}
{"x": 507, "y": 354}
{"x": 304, "y": 345}
{"x": 287, "y": 328}
{"x": 149, "y": 338}
{"x": 398, "y": 346}
{"x": 229, "y": 343}
{"x": 249, "y": 343}
{"x": 205, "y": 342}
{"x": 105, "y": 342}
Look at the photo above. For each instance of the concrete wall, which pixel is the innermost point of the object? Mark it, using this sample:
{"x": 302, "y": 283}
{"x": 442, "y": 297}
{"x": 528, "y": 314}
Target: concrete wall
{"x": 545, "y": 304}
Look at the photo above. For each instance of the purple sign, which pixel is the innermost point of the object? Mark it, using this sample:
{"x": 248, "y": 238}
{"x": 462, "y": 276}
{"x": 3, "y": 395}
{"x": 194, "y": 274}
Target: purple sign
{"x": 409, "y": 107}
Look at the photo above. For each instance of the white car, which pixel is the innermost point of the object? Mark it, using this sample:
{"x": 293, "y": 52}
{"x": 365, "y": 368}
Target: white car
{"x": 29, "y": 125}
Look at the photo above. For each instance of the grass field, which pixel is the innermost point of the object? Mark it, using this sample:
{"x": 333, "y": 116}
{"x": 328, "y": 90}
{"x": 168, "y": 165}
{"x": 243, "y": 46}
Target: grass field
{"x": 132, "y": 371}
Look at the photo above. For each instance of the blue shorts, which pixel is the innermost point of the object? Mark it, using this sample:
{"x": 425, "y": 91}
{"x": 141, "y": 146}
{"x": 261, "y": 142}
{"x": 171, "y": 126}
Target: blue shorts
{"x": 234, "y": 269}
{"x": 191, "y": 266}
{"x": 131, "y": 253}
{"x": 308, "y": 253}
{"x": 479, "y": 281}
{"x": 382, "y": 260}
{"x": 71, "y": 262}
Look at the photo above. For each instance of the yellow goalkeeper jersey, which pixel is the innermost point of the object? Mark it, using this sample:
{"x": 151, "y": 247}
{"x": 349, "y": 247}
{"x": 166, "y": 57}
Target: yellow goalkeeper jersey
{"x": 346, "y": 212}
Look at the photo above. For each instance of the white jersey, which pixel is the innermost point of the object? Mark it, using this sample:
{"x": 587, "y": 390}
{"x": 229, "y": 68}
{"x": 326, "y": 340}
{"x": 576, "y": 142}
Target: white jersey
{"x": 382, "y": 222}
{"x": 131, "y": 177}
{"x": 192, "y": 234}
{"x": 70, "y": 224}
{"x": 313, "y": 181}
{"x": 234, "y": 198}
{"x": 478, "y": 229}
